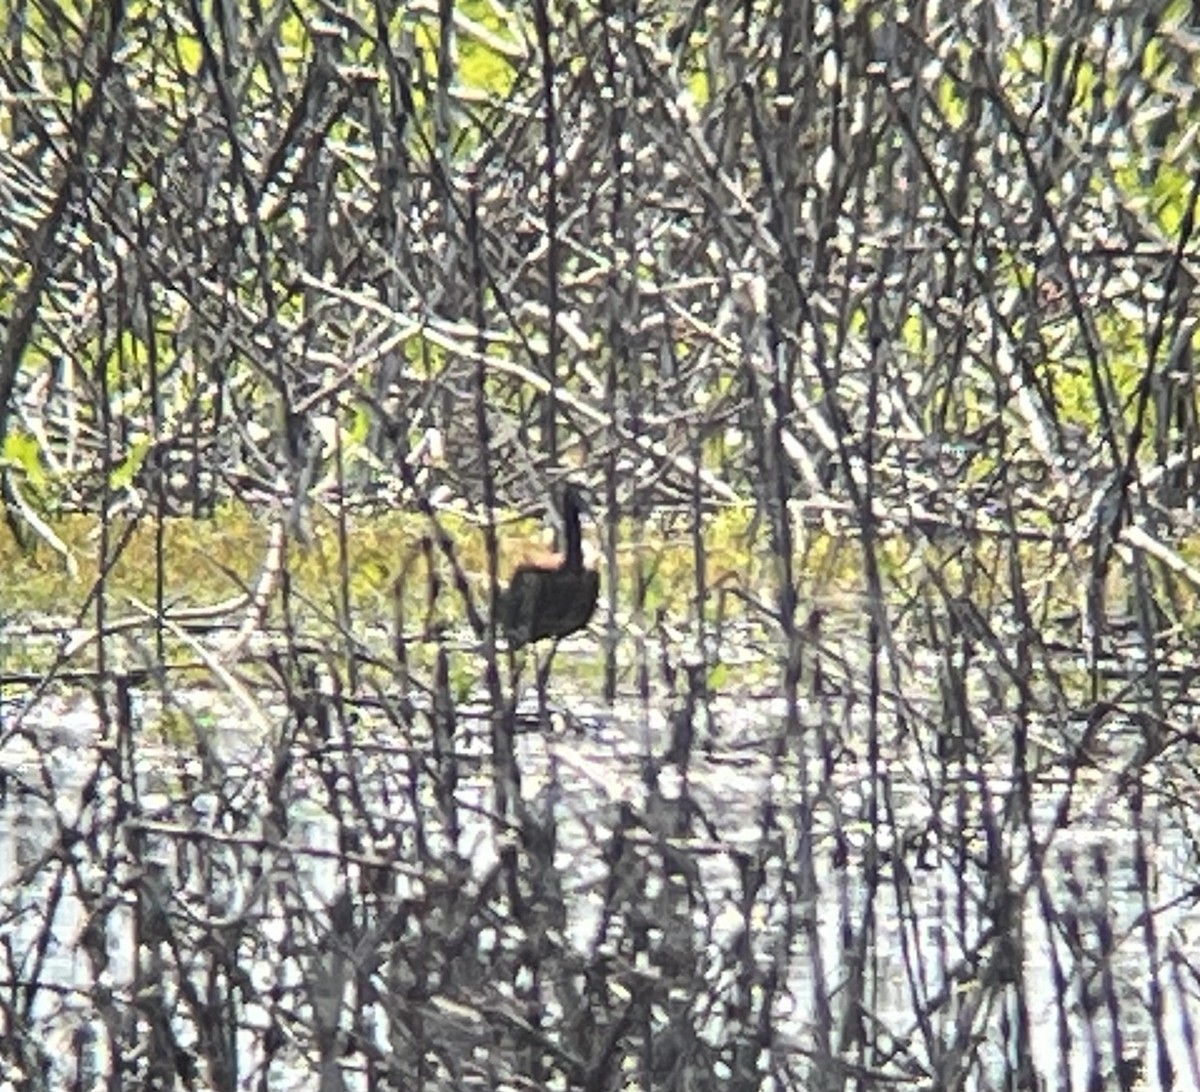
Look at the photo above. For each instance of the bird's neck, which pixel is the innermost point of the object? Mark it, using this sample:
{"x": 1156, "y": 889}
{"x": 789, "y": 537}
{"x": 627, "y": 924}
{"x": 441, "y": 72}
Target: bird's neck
{"x": 573, "y": 561}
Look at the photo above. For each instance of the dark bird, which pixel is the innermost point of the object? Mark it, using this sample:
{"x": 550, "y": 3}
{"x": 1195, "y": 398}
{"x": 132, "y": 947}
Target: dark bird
{"x": 553, "y": 596}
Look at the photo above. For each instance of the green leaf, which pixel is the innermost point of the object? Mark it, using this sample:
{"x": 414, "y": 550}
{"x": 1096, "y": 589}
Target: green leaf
{"x": 21, "y": 450}
{"x": 124, "y": 473}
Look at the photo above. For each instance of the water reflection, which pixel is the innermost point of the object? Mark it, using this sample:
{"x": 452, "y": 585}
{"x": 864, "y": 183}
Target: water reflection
{"x": 925, "y": 921}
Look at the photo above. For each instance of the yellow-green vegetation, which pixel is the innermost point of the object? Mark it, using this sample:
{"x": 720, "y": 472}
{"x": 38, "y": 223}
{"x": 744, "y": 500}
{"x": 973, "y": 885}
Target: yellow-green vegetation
{"x": 486, "y": 57}
{"x": 174, "y": 727}
{"x": 390, "y": 559}
{"x": 487, "y": 48}
{"x": 951, "y": 102}
{"x": 1163, "y": 198}
{"x": 208, "y": 561}
{"x": 395, "y": 570}
{"x": 195, "y": 556}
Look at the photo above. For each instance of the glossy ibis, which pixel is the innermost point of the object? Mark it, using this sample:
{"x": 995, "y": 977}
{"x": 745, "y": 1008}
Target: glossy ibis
{"x": 555, "y": 595}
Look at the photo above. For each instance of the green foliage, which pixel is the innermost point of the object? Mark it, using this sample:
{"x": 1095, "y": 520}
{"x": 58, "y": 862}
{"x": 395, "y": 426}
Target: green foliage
{"x": 484, "y": 55}
{"x": 21, "y": 451}
{"x": 464, "y": 678}
{"x": 174, "y": 727}
{"x": 914, "y": 331}
{"x": 481, "y": 66}
{"x": 125, "y": 360}
{"x": 951, "y": 104}
{"x": 295, "y": 36}
{"x": 189, "y": 53}
{"x": 1171, "y": 195}
{"x": 124, "y": 473}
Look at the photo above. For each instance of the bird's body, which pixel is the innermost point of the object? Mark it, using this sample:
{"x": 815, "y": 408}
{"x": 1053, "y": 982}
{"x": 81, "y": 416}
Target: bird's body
{"x": 553, "y": 596}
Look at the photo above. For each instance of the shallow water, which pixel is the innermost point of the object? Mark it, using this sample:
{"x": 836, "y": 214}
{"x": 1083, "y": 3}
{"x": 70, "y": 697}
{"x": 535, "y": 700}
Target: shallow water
{"x": 753, "y": 865}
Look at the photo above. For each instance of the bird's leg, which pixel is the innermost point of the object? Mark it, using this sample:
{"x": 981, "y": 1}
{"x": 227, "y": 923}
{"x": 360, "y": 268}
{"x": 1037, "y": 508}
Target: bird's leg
{"x": 543, "y": 678}
{"x": 514, "y": 671}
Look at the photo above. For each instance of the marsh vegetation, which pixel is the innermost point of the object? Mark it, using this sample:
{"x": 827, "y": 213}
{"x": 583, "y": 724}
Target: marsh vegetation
{"x": 870, "y": 329}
